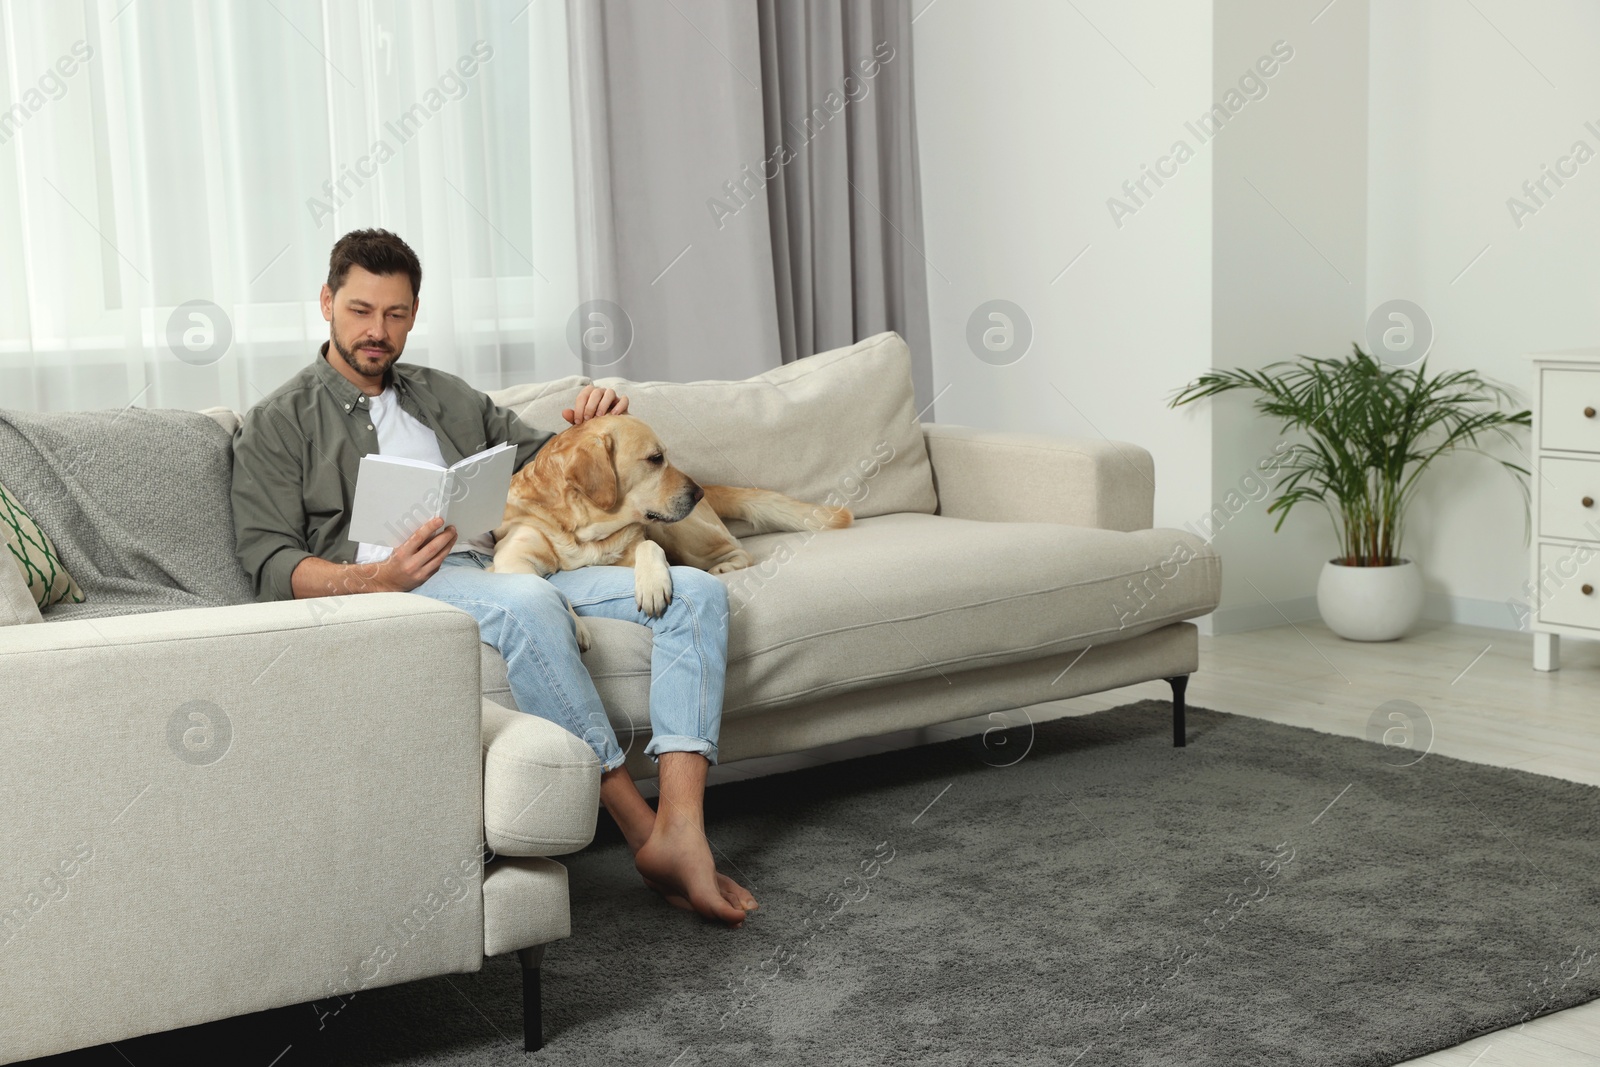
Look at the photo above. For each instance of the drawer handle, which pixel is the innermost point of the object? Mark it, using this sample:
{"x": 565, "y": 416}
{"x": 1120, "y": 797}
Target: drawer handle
{"x": 1588, "y": 501}
{"x": 1587, "y": 589}
{"x": 1588, "y": 413}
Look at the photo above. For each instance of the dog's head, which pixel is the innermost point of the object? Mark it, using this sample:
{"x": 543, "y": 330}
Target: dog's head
{"x": 616, "y": 463}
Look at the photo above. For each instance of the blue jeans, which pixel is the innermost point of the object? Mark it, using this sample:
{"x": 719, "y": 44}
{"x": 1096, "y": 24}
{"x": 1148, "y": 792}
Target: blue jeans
{"x": 525, "y": 617}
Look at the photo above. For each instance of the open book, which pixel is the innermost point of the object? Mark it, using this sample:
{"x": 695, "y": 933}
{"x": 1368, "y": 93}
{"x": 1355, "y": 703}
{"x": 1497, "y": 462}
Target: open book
{"x": 395, "y": 495}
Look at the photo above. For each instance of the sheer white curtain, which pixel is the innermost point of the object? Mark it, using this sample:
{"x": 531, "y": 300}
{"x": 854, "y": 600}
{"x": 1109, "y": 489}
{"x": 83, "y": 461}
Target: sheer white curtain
{"x": 173, "y": 174}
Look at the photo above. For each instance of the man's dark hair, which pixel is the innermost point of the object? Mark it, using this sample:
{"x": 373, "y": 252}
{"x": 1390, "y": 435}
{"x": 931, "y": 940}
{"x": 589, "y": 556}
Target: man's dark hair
{"x": 376, "y": 251}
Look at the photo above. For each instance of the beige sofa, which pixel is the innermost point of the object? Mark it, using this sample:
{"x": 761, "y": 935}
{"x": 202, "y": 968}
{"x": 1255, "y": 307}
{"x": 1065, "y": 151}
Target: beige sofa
{"x": 986, "y": 571}
{"x": 337, "y": 842}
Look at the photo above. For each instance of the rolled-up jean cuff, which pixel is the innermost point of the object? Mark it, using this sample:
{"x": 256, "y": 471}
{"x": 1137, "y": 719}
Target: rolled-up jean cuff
{"x": 681, "y": 743}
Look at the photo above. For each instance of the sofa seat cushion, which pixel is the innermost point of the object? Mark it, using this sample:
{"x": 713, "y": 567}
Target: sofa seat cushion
{"x": 907, "y": 596}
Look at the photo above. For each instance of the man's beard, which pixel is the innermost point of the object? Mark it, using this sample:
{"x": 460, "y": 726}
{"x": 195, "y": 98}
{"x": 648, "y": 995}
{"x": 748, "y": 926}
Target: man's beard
{"x": 370, "y": 364}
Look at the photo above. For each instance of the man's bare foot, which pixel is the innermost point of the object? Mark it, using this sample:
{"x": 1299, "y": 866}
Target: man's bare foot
{"x": 676, "y": 862}
{"x": 670, "y": 850}
{"x": 731, "y": 891}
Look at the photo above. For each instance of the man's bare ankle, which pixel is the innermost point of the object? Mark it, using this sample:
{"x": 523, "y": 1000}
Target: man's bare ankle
{"x": 627, "y": 807}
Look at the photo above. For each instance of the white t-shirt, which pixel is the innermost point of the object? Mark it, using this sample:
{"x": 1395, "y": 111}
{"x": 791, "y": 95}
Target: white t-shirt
{"x": 401, "y": 434}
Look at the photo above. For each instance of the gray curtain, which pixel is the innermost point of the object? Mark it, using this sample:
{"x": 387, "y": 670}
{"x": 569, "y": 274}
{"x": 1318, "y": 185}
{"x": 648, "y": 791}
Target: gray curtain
{"x": 846, "y": 209}
{"x": 747, "y": 181}
{"x": 666, "y": 103}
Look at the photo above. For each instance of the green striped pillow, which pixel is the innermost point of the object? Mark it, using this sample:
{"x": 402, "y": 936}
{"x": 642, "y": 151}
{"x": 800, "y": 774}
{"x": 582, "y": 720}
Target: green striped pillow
{"x": 41, "y": 568}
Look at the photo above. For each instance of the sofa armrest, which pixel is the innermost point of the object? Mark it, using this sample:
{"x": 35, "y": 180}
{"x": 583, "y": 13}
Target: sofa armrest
{"x": 1017, "y": 477}
{"x": 216, "y": 811}
{"x": 541, "y": 785}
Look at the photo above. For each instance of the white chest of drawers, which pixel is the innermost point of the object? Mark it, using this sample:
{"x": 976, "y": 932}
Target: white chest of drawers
{"x": 1564, "y": 592}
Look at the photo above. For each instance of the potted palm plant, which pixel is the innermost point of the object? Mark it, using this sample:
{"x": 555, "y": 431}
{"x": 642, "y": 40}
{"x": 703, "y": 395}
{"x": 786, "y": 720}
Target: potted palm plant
{"x": 1373, "y": 430}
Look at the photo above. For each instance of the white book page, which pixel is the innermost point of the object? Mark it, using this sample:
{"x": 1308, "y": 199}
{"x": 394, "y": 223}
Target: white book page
{"x": 475, "y": 491}
{"x": 394, "y": 496}
{"x": 480, "y": 457}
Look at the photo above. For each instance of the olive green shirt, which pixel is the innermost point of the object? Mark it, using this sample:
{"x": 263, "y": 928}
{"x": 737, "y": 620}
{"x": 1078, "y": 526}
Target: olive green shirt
{"x": 296, "y": 454}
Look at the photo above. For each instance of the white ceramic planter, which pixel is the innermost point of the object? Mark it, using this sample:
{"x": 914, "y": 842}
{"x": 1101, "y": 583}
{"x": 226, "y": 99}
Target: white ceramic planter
{"x": 1370, "y": 603}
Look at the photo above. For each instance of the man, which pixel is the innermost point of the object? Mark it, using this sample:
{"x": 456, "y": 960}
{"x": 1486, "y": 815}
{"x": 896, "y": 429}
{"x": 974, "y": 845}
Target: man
{"x": 295, "y": 462}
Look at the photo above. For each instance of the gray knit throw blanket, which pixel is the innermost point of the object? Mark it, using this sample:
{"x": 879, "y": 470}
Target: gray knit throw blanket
{"x": 136, "y": 501}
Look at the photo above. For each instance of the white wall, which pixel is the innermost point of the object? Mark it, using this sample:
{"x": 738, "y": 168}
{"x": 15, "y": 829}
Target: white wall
{"x": 1378, "y": 165}
{"x": 1466, "y": 105}
{"x": 1289, "y": 271}
{"x": 1030, "y": 116}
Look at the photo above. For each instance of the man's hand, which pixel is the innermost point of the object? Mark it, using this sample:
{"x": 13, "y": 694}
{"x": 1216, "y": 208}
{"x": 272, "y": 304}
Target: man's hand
{"x": 592, "y": 401}
{"x": 416, "y": 560}
{"x": 407, "y": 567}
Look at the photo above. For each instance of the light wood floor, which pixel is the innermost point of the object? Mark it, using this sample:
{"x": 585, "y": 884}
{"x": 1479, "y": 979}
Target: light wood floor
{"x": 1478, "y": 688}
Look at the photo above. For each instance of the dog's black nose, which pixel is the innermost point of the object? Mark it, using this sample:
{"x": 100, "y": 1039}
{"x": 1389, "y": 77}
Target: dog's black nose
{"x": 696, "y": 493}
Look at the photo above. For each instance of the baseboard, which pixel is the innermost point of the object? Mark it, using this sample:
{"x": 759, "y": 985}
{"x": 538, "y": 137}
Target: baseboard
{"x": 1470, "y": 611}
{"x": 1441, "y": 607}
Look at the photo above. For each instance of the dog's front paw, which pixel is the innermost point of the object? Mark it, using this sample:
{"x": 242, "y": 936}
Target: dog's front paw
{"x": 652, "y": 580}
{"x": 652, "y": 590}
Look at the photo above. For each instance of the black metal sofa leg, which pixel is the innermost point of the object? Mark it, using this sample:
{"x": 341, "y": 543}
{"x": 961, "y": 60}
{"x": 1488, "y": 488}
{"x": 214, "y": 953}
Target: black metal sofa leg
{"x": 1179, "y": 684}
{"x": 532, "y": 1018}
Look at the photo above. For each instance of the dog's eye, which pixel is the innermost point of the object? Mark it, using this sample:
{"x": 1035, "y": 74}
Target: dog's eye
{"x": 657, "y": 459}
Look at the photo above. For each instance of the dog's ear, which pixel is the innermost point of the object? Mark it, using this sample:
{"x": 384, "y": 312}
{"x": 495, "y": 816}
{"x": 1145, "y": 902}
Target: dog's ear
{"x": 593, "y": 469}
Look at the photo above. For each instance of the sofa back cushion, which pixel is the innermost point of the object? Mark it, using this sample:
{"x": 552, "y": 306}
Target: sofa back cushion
{"x": 136, "y": 500}
{"x": 839, "y": 427}
{"x": 227, "y": 418}
{"x": 539, "y": 404}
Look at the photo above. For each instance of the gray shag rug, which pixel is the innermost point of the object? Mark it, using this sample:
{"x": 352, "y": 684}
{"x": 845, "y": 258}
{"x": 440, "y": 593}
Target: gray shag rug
{"x": 1267, "y": 895}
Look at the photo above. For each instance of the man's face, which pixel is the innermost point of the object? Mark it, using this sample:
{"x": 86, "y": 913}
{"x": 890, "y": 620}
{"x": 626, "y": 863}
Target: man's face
{"x": 370, "y": 316}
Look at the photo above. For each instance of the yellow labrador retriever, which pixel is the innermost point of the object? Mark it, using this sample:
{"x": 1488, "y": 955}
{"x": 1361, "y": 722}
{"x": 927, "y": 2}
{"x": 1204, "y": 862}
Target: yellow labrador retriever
{"x": 602, "y": 493}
